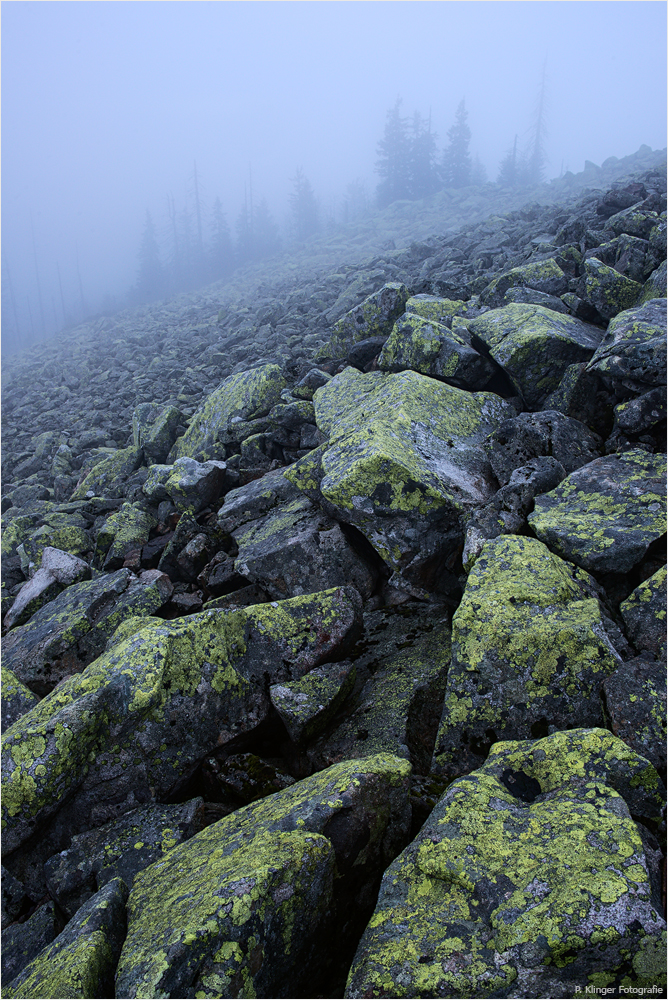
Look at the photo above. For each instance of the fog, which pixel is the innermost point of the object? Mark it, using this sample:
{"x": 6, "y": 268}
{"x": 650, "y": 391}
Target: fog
{"x": 108, "y": 106}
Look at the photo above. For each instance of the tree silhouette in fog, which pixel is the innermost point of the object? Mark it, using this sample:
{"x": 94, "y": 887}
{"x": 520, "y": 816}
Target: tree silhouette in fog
{"x": 266, "y": 240}
{"x": 150, "y": 277}
{"x": 303, "y": 207}
{"x": 394, "y": 158}
{"x": 456, "y": 164}
{"x": 422, "y": 175}
{"x": 221, "y": 254}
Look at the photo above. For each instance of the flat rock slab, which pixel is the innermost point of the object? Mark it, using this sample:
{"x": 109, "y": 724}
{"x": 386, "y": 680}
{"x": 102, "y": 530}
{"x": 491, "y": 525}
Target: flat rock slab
{"x": 81, "y": 961}
{"x": 121, "y": 733}
{"x": 535, "y": 346}
{"x": 404, "y": 460}
{"x": 605, "y": 516}
{"x": 238, "y": 399}
{"x": 239, "y": 907}
{"x": 529, "y": 653}
{"x": 634, "y": 348}
{"x": 531, "y": 858}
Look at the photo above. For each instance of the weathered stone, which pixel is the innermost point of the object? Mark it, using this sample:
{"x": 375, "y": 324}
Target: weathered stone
{"x": 211, "y": 917}
{"x": 120, "y": 849}
{"x": 529, "y": 652}
{"x": 535, "y": 346}
{"x": 644, "y": 614}
{"x": 521, "y": 439}
{"x": 81, "y": 961}
{"x": 127, "y": 529}
{"x": 21, "y": 942}
{"x": 426, "y": 346}
{"x": 530, "y": 878}
{"x": 17, "y": 699}
{"x": 640, "y": 414}
{"x": 633, "y": 351}
{"x": 108, "y": 477}
{"x": 371, "y": 318}
{"x": 58, "y": 570}
{"x": 244, "y": 777}
{"x": 190, "y": 485}
{"x": 596, "y": 517}
{"x": 542, "y": 276}
{"x": 308, "y": 384}
{"x": 307, "y": 705}
{"x": 608, "y": 291}
{"x": 635, "y": 702}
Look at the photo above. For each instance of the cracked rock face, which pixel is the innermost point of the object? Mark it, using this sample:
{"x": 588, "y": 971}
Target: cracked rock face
{"x": 334, "y": 616}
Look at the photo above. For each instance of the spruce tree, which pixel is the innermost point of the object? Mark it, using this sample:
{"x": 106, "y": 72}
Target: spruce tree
{"x": 456, "y": 167}
{"x": 150, "y": 278}
{"x": 536, "y": 154}
{"x": 265, "y": 231}
{"x": 422, "y": 158}
{"x": 394, "y": 159}
{"x": 221, "y": 257}
{"x": 303, "y": 207}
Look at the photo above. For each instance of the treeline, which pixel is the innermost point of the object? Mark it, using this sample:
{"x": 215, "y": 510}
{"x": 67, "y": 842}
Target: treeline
{"x": 410, "y": 165}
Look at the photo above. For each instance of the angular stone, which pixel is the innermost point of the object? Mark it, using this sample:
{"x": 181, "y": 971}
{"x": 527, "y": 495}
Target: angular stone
{"x": 426, "y": 346}
{"x": 605, "y": 515}
{"x": 529, "y": 652}
{"x": 121, "y": 733}
{"x": 530, "y": 878}
{"x": 17, "y": 699}
{"x": 371, "y": 318}
{"x": 307, "y": 705}
{"x": 122, "y": 532}
{"x": 535, "y": 346}
{"x": 640, "y": 414}
{"x": 633, "y": 220}
{"x": 542, "y": 276}
{"x": 635, "y": 701}
{"x": 120, "y": 849}
{"x": 644, "y": 614}
{"x": 23, "y": 942}
{"x": 66, "y": 634}
{"x": 109, "y": 476}
{"x": 190, "y": 485}
{"x": 633, "y": 350}
{"x": 245, "y": 900}
{"x": 529, "y": 436}
{"x": 308, "y": 384}
{"x": 608, "y": 291}
{"x": 403, "y": 462}
{"x": 81, "y": 961}
{"x": 240, "y": 398}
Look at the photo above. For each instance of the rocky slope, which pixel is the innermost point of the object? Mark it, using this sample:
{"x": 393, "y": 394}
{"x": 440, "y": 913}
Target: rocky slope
{"x": 334, "y": 617}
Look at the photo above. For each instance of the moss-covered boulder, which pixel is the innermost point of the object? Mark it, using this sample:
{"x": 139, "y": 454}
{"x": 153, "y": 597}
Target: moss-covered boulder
{"x": 437, "y": 309}
{"x": 64, "y": 635}
{"x": 634, "y": 347}
{"x": 238, "y": 399}
{"x": 108, "y": 477}
{"x": 608, "y": 291}
{"x": 530, "y": 878}
{"x": 542, "y": 276}
{"x": 121, "y": 732}
{"x": 605, "y": 516}
{"x": 190, "y": 485}
{"x": 529, "y": 653}
{"x": 81, "y": 961}
{"x": 240, "y": 908}
{"x": 16, "y": 698}
{"x": 403, "y": 462}
{"x": 119, "y": 849}
{"x": 64, "y": 532}
{"x": 307, "y": 705}
{"x": 122, "y": 532}
{"x": 371, "y": 318}
{"x": 655, "y": 286}
{"x": 644, "y": 614}
{"x": 635, "y": 704}
{"x": 535, "y": 346}
{"x": 429, "y": 347}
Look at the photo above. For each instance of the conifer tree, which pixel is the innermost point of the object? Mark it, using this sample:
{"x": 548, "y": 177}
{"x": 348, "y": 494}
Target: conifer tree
{"x": 303, "y": 207}
{"x": 394, "y": 155}
{"x": 422, "y": 158}
{"x": 150, "y": 278}
{"x": 456, "y": 166}
{"x": 478, "y": 172}
{"x": 221, "y": 256}
{"x": 265, "y": 231}
{"x": 536, "y": 154}
{"x": 245, "y": 245}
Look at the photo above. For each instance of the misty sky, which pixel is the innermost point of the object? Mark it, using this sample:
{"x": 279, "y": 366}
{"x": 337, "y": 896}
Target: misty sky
{"x": 106, "y": 105}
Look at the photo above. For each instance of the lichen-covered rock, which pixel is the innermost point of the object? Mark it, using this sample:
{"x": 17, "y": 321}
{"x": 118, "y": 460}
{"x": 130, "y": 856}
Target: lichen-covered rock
{"x": 605, "y": 516}
{"x": 129, "y": 528}
{"x": 190, "y": 485}
{"x": 642, "y": 413}
{"x": 644, "y": 614}
{"x": 535, "y": 345}
{"x": 403, "y": 462}
{"x": 17, "y": 699}
{"x": 58, "y": 570}
{"x": 239, "y": 908}
{"x": 57, "y": 533}
{"x": 307, "y": 385}
{"x": 238, "y": 399}
{"x": 64, "y": 635}
{"x": 307, "y": 705}
{"x": 296, "y": 549}
{"x": 521, "y": 439}
{"x": 633, "y": 351}
{"x": 109, "y": 476}
{"x": 371, "y": 318}
{"x": 398, "y": 709}
{"x": 542, "y": 276}
{"x": 21, "y": 942}
{"x": 529, "y": 879}
{"x": 634, "y": 220}
{"x": 120, "y": 849}
{"x": 655, "y": 286}
{"x": 582, "y": 395}
{"x": 529, "y": 653}
{"x": 250, "y": 502}
{"x": 121, "y": 733}
{"x": 608, "y": 291}
{"x": 158, "y": 439}
{"x": 635, "y": 702}
{"x": 439, "y": 310}
{"x": 429, "y": 347}
{"x": 81, "y": 961}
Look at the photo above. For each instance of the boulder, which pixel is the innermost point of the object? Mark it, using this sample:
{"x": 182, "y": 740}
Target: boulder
{"x": 371, "y": 318}
{"x": 530, "y": 878}
{"x": 239, "y": 399}
{"x": 121, "y": 734}
{"x": 644, "y": 615}
{"x": 535, "y": 345}
{"x": 522, "y": 439}
{"x": 306, "y": 706}
{"x": 633, "y": 352}
{"x": 17, "y": 699}
{"x": 596, "y": 518}
{"x": 429, "y": 347}
{"x": 126, "y": 530}
{"x": 81, "y": 961}
{"x": 68, "y": 633}
{"x": 109, "y": 476}
{"x": 403, "y": 462}
{"x": 190, "y": 485}
{"x": 529, "y": 653}
{"x": 21, "y": 942}
{"x": 242, "y": 906}
{"x": 58, "y": 570}
{"x": 635, "y": 703}
{"x": 542, "y": 276}
{"x": 606, "y": 290}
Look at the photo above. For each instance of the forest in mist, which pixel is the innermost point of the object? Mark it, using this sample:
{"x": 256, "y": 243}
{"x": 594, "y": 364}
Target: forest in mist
{"x": 152, "y": 148}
